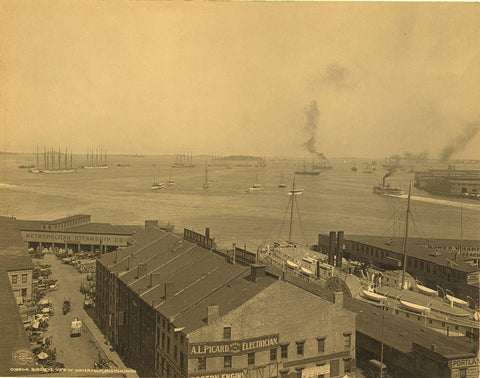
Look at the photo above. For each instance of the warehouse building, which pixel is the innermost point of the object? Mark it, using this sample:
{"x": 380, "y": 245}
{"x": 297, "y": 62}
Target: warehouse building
{"x": 173, "y": 306}
{"x": 77, "y": 233}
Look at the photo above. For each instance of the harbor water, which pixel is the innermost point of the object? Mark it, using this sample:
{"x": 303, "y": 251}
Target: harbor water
{"x": 337, "y": 199}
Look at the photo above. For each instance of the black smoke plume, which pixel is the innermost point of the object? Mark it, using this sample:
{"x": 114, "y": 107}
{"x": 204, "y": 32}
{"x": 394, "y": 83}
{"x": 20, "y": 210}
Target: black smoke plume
{"x": 310, "y": 128}
{"x": 389, "y": 173}
{"x": 460, "y": 141}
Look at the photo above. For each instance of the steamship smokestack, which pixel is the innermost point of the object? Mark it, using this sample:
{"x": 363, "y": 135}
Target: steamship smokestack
{"x": 339, "y": 248}
{"x": 331, "y": 248}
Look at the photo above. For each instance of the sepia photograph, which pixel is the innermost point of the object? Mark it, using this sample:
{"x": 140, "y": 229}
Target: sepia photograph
{"x": 239, "y": 189}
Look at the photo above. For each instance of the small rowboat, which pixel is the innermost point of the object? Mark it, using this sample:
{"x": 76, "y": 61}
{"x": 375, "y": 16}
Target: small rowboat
{"x": 291, "y": 264}
{"x": 306, "y": 271}
{"x": 456, "y": 301}
{"x": 426, "y": 290}
{"x": 373, "y": 296}
{"x": 415, "y": 307}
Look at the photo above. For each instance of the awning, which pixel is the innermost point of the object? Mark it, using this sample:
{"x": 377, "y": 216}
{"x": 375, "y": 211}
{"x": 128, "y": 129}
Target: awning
{"x": 306, "y": 271}
{"x": 291, "y": 264}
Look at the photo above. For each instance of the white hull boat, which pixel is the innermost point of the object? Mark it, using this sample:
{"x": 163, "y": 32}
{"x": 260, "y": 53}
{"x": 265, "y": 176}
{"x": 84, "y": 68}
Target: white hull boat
{"x": 415, "y": 307}
{"x": 426, "y": 290}
{"x": 373, "y": 296}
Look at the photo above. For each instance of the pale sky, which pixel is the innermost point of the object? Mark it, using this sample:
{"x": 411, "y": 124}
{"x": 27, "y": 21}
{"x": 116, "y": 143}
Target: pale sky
{"x": 237, "y": 78}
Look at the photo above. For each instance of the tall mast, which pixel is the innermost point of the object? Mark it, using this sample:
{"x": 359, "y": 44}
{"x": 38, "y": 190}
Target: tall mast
{"x": 38, "y": 165}
{"x": 66, "y": 158}
{"x": 71, "y": 159}
{"x": 461, "y": 232}
{"x": 406, "y": 238}
{"x": 105, "y": 157}
{"x": 44, "y": 157}
{"x": 59, "y": 158}
{"x": 291, "y": 210}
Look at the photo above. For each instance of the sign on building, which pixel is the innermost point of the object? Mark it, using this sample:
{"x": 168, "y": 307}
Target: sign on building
{"x": 232, "y": 347}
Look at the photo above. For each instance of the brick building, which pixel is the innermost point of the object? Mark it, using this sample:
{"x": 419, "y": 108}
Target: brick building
{"x": 172, "y": 306}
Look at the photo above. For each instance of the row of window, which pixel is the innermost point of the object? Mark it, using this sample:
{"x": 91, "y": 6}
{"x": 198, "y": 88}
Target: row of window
{"x": 284, "y": 351}
{"x": 15, "y": 279}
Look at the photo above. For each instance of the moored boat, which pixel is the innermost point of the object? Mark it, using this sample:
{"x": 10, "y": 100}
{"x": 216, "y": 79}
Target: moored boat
{"x": 415, "y": 307}
{"x": 157, "y": 185}
{"x": 456, "y": 301}
{"x": 426, "y": 290}
{"x": 373, "y": 296}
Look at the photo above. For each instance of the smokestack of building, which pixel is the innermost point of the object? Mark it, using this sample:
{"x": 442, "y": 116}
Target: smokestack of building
{"x": 339, "y": 249}
{"x": 331, "y": 248}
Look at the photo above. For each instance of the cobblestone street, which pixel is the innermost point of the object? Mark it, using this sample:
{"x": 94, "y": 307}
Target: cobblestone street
{"x": 77, "y": 353}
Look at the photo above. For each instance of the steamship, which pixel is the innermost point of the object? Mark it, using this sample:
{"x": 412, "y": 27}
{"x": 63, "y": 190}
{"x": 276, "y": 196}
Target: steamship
{"x": 387, "y": 189}
{"x": 450, "y": 182}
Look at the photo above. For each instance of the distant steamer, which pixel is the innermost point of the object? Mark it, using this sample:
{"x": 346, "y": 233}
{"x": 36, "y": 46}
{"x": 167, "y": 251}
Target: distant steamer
{"x": 451, "y": 182}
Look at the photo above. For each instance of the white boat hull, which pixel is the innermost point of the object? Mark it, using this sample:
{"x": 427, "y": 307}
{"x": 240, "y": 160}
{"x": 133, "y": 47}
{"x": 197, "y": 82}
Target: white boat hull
{"x": 414, "y": 307}
{"x": 373, "y": 296}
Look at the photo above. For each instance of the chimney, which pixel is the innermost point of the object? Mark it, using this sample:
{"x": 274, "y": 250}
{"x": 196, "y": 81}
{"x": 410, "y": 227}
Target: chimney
{"x": 169, "y": 290}
{"x": 433, "y": 347}
{"x": 331, "y": 248}
{"x": 155, "y": 279}
{"x": 213, "y": 313}
{"x": 207, "y": 232}
{"x": 233, "y": 253}
{"x": 338, "y": 298}
{"x": 257, "y": 271}
{"x": 339, "y": 248}
{"x": 141, "y": 270}
{"x": 151, "y": 223}
{"x": 318, "y": 269}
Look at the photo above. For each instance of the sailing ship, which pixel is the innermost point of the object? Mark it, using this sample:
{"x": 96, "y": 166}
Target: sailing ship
{"x": 157, "y": 185}
{"x": 261, "y": 162}
{"x": 170, "y": 180}
{"x": 282, "y": 182}
{"x": 52, "y": 162}
{"x": 206, "y": 183}
{"x": 256, "y": 187}
{"x": 96, "y": 161}
{"x": 219, "y": 161}
{"x": 295, "y": 192}
{"x": 367, "y": 168}
{"x": 306, "y": 172}
{"x": 184, "y": 161}
{"x": 28, "y": 165}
